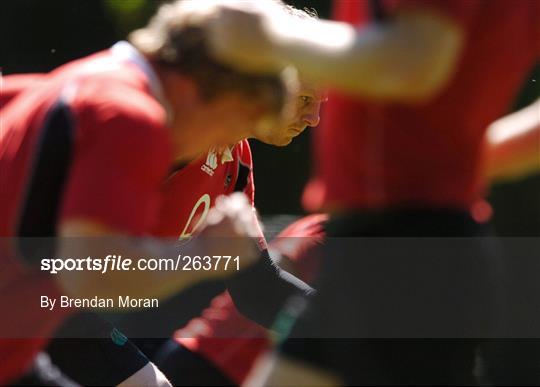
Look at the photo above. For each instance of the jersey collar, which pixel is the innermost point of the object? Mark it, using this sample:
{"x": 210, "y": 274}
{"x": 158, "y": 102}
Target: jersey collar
{"x": 126, "y": 52}
{"x": 223, "y": 152}
{"x": 226, "y": 155}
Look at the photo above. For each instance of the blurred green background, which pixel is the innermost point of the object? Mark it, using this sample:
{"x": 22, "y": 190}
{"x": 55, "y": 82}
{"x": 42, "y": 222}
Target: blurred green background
{"x": 37, "y": 35}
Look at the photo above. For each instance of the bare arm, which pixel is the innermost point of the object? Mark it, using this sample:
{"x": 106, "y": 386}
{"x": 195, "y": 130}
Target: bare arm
{"x": 514, "y": 145}
{"x": 12, "y": 85}
{"x": 228, "y": 231}
{"x": 407, "y": 59}
{"x": 80, "y": 238}
{"x": 149, "y": 375}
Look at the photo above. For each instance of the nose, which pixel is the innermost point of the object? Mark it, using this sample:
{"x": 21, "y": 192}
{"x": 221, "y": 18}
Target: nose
{"x": 312, "y": 119}
{"x": 311, "y": 116}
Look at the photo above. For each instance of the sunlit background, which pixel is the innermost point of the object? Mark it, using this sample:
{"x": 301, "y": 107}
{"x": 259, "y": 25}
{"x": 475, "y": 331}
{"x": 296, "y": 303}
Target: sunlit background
{"x": 38, "y": 35}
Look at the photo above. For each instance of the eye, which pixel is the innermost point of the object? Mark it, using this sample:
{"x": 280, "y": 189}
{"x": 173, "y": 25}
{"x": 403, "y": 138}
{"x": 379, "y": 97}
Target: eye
{"x": 306, "y": 100}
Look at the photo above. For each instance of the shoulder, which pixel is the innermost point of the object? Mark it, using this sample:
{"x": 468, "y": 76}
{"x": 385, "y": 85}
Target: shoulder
{"x": 102, "y": 89}
{"x": 119, "y": 119}
{"x": 111, "y": 105}
{"x": 112, "y": 95}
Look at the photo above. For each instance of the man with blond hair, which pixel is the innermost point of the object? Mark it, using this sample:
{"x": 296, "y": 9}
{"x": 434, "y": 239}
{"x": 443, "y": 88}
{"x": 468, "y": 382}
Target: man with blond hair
{"x": 85, "y": 149}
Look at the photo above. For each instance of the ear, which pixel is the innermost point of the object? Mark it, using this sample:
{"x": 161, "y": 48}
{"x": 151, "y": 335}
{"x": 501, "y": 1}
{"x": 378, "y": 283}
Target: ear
{"x": 181, "y": 91}
{"x": 257, "y": 109}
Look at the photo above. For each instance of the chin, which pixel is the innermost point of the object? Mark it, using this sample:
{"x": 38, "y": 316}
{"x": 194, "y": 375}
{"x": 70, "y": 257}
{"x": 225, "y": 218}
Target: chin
{"x": 283, "y": 141}
{"x": 277, "y": 141}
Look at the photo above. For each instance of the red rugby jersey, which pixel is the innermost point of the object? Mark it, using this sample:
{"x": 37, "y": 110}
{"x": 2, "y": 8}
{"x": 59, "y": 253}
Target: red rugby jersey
{"x": 13, "y": 85}
{"x": 384, "y": 155}
{"x": 228, "y": 339}
{"x": 188, "y": 194}
{"x": 191, "y": 190}
{"x": 87, "y": 140}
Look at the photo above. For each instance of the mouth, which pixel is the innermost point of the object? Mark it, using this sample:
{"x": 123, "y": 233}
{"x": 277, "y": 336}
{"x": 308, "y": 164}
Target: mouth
{"x": 296, "y": 131}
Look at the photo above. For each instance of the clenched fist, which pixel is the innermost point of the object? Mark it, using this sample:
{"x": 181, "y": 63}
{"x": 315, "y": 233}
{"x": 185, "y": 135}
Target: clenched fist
{"x": 232, "y": 229}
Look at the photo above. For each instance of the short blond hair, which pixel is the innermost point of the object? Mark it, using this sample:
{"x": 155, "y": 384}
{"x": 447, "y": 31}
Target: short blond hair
{"x": 175, "y": 37}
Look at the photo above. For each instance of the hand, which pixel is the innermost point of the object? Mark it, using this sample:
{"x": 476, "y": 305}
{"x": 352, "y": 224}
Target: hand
{"x": 242, "y": 38}
{"x": 231, "y": 229}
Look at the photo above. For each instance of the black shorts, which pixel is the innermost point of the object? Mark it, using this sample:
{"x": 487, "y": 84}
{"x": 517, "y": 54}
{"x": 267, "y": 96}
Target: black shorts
{"x": 403, "y": 304}
{"x": 149, "y": 329}
{"x": 94, "y": 353}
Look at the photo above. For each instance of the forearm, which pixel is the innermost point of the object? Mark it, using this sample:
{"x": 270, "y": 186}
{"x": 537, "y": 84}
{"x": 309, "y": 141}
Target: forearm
{"x": 260, "y": 291}
{"x": 149, "y": 375}
{"x": 81, "y": 239}
{"x": 136, "y": 282}
{"x": 514, "y": 145}
{"x": 410, "y": 57}
{"x": 229, "y": 229}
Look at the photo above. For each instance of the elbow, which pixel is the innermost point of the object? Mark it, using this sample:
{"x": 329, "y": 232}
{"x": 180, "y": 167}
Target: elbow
{"x": 420, "y": 58}
{"x": 433, "y": 52}
{"x": 433, "y": 75}
{"x": 423, "y": 86}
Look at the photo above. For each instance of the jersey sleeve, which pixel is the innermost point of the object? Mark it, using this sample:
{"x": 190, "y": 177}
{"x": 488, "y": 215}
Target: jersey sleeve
{"x": 122, "y": 157}
{"x": 13, "y": 85}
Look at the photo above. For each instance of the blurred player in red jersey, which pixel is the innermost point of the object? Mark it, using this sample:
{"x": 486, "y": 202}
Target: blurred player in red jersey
{"x": 189, "y": 192}
{"x": 224, "y": 169}
{"x": 399, "y": 154}
{"x": 85, "y": 148}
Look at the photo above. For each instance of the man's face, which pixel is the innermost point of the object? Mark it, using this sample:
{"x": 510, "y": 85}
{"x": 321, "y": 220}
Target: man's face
{"x": 308, "y": 105}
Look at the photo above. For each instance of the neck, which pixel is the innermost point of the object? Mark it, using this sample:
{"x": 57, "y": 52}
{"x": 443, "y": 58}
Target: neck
{"x": 188, "y": 113}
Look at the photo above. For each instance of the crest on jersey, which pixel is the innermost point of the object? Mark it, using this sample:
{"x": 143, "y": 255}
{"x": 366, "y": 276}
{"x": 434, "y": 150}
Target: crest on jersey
{"x": 211, "y": 162}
